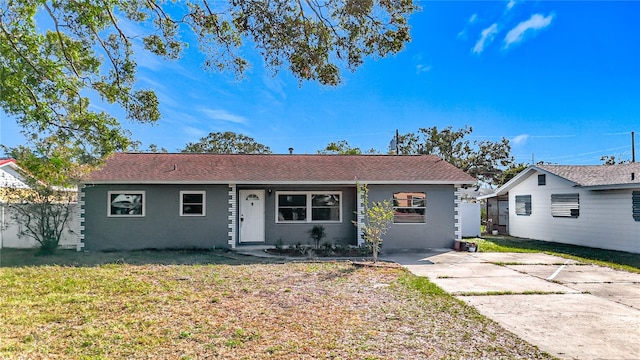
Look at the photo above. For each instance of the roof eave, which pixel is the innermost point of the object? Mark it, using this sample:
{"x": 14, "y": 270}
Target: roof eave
{"x": 612, "y": 186}
{"x": 277, "y": 182}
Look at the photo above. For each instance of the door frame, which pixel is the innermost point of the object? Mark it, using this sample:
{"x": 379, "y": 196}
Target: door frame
{"x": 242, "y": 194}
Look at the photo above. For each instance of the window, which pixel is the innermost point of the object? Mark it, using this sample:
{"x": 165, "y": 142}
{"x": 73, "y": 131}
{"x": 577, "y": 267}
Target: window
{"x": 292, "y": 207}
{"x": 565, "y": 205}
{"x": 523, "y": 205}
{"x": 409, "y": 207}
{"x": 192, "y": 203}
{"x": 325, "y": 207}
{"x": 125, "y": 203}
{"x": 635, "y": 201}
{"x": 542, "y": 179}
{"x": 309, "y": 206}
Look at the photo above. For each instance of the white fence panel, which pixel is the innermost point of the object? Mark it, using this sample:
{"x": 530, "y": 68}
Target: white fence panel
{"x": 9, "y": 231}
{"x": 470, "y": 215}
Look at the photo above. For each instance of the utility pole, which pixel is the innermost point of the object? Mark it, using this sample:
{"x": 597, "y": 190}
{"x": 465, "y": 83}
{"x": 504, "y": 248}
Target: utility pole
{"x": 633, "y": 147}
{"x": 397, "y": 141}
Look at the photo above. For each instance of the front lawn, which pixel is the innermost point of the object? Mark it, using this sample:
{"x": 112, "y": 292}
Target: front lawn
{"x": 226, "y": 311}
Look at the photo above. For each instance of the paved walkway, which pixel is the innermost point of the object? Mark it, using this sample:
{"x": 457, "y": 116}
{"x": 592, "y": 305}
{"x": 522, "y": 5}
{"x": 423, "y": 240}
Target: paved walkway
{"x": 570, "y": 310}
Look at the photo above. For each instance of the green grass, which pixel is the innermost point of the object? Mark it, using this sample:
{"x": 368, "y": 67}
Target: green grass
{"x": 421, "y": 284}
{"x": 614, "y": 259}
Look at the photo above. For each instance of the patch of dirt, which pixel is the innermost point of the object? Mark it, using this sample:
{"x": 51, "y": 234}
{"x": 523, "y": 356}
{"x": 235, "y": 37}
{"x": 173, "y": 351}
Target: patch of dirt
{"x": 322, "y": 252}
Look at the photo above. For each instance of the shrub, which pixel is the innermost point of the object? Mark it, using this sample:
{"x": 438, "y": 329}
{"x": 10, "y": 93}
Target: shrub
{"x": 317, "y": 233}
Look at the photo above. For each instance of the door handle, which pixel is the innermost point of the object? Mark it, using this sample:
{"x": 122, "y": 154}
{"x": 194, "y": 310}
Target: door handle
{"x": 241, "y": 218}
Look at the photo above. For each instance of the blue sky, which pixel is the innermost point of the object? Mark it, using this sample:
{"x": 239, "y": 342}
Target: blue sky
{"x": 560, "y": 80}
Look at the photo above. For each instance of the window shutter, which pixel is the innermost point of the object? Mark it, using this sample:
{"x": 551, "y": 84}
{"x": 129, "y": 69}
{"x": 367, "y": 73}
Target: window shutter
{"x": 565, "y": 205}
{"x": 523, "y": 204}
{"x": 636, "y": 205}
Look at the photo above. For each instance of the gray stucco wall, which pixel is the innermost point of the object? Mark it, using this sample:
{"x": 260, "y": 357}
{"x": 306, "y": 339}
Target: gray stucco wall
{"x": 162, "y": 226}
{"x": 437, "y": 232}
{"x": 291, "y": 234}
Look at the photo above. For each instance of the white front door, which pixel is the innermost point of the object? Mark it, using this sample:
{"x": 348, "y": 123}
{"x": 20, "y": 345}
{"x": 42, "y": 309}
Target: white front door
{"x": 251, "y": 215}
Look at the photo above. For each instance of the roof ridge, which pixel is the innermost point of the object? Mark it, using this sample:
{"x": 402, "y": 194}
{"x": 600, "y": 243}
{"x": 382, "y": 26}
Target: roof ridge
{"x": 280, "y": 154}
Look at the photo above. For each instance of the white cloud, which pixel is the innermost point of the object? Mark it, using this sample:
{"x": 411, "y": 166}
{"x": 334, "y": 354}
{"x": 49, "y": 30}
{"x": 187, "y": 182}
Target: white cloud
{"x": 194, "y": 133}
{"x": 486, "y": 38}
{"x": 223, "y": 115}
{"x": 421, "y": 68}
{"x": 535, "y": 23}
{"x": 463, "y": 33}
{"x": 276, "y": 85}
{"x": 511, "y": 4}
{"x": 520, "y": 139}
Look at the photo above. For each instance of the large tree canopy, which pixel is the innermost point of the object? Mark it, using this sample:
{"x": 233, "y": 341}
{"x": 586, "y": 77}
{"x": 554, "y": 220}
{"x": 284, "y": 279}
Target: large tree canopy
{"x": 56, "y": 56}
{"x": 226, "y": 143}
{"x": 482, "y": 159}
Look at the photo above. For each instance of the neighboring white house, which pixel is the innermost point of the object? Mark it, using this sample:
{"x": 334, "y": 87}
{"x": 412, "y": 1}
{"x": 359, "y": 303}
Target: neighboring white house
{"x": 591, "y": 205}
{"x": 11, "y": 177}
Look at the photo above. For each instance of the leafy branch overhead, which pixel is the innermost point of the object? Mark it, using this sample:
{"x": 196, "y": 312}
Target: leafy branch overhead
{"x": 57, "y": 56}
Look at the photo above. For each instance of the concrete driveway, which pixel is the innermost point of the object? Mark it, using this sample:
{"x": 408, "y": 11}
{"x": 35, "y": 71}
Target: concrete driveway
{"x": 568, "y": 309}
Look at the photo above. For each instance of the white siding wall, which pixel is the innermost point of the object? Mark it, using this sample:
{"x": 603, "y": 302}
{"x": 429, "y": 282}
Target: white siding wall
{"x": 605, "y": 219}
{"x": 9, "y": 178}
{"x": 9, "y": 231}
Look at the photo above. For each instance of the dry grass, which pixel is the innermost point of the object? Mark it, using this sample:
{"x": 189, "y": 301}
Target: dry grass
{"x": 287, "y": 311}
{"x": 71, "y": 257}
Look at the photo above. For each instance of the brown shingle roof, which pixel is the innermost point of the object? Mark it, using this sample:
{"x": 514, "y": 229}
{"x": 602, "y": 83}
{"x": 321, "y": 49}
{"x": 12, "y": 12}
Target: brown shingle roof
{"x": 228, "y": 168}
{"x": 597, "y": 175}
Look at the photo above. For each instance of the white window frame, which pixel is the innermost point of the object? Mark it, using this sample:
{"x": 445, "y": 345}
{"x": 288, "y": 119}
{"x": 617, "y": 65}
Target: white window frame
{"x": 192, "y": 192}
{"x": 308, "y": 206}
{"x": 126, "y": 192}
{"x": 411, "y": 205}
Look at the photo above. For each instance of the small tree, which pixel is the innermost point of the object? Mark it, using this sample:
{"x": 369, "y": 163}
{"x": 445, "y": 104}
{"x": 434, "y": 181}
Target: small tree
{"x": 42, "y": 213}
{"x": 378, "y": 217}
